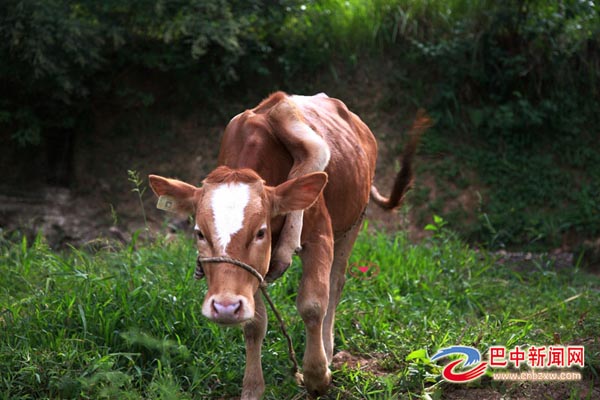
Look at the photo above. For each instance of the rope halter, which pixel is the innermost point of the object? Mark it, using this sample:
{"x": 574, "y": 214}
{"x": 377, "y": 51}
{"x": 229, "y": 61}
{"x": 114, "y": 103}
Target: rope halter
{"x": 199, "y": 274}
{"x": 262, "y": 284}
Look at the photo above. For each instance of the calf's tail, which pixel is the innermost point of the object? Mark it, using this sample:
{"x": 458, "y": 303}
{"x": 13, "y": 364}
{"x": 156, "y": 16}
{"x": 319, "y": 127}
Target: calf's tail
{"x": 404, "y": 179}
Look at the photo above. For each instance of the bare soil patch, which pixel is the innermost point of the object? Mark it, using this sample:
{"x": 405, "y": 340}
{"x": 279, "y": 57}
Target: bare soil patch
{"x": 370, "y": 363}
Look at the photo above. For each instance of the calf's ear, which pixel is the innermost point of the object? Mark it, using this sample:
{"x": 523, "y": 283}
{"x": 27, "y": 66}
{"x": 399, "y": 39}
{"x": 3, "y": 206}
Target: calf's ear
{"x": 173, "y": 195}
{"x": 298, "y": 193}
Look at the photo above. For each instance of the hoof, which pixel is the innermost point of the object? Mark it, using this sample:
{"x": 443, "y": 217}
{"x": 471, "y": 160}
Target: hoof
{"x": 319, "y": 387}
{"x": 299, "y": 379}
{"x": 276, "y": 269}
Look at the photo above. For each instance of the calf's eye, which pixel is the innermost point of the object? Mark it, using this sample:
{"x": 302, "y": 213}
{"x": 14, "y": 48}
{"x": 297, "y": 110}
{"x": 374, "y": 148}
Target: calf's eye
{"x": 261, "y": 234}
{"x": 199, "y": 235}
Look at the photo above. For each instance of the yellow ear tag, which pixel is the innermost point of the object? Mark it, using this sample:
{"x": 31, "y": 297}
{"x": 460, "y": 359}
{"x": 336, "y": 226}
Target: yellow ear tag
{"x": 166, "y": 203}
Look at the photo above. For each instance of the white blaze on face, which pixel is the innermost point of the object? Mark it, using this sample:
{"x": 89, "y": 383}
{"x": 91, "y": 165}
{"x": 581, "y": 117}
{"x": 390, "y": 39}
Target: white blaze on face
{"x": 228, "y": 202}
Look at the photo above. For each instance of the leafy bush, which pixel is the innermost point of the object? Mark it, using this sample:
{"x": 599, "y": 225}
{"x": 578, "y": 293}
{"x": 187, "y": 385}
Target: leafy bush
{"x": 515, "y": 88}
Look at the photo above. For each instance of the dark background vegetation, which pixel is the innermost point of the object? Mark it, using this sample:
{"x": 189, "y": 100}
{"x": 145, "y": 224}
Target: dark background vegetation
{"x": 90, "y": 89}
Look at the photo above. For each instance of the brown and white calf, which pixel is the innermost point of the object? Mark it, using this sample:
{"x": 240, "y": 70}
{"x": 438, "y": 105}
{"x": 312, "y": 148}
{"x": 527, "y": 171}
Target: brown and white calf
{"x": 295, "y": 173}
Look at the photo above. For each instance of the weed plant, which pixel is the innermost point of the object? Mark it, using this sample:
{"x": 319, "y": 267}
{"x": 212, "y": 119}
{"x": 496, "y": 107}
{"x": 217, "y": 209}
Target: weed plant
{"x": 126, "y": 323}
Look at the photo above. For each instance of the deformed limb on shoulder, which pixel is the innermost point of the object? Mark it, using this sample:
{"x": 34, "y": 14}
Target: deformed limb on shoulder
{"x": 311, "y": 154}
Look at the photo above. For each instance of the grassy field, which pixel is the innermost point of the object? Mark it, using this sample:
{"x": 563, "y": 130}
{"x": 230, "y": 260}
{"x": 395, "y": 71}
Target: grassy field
{"x": 125, "y": 323}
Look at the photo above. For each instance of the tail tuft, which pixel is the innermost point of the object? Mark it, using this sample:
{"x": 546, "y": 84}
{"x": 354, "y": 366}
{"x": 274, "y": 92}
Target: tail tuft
{"x": 404, "y": 179}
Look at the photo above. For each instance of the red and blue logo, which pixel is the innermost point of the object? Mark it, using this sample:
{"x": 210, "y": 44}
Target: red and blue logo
{"x": 472, "y": 359}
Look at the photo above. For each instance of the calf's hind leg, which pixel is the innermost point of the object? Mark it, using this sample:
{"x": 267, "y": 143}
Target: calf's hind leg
{"x": 312, "y": 302}
{"x": 342, "y": 250}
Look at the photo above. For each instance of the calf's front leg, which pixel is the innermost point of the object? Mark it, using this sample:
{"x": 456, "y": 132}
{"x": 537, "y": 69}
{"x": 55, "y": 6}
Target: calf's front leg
{"x": 254, "y": 333}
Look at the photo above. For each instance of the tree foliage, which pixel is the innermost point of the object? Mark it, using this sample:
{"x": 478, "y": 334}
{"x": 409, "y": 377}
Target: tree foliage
{"x": 513, "y": 73}
{"x": 520, "y": 69}
{"x": 56, "y": 54}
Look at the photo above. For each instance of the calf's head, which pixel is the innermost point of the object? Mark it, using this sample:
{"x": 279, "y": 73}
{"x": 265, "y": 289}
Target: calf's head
{"x": 233, "y": 211}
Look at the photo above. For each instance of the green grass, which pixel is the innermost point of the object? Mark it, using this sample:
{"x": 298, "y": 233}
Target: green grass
{"x": 125, "y": 323}
{"x": 528, "y": 199}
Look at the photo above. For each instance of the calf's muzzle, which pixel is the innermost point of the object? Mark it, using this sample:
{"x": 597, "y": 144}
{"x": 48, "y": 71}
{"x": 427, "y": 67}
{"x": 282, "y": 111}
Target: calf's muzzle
{"x": 226, "y": 304}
